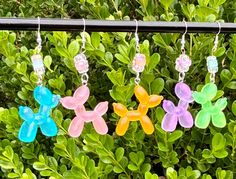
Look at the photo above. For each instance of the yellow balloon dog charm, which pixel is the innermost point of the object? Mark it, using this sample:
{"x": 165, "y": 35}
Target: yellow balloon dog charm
{"x": 145, "y": 102}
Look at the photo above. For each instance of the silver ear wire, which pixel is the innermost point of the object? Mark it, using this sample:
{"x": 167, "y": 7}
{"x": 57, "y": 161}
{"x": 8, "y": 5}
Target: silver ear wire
{"x": 80, "y": 60}
{"x": 39, "y": 40}
{"x": 37, "y": 59}
{"x": 183, "y": 37}
{"x": 216, "y": 39}
{"x": 136, "y": 36}
{"x": 83, "y": 36}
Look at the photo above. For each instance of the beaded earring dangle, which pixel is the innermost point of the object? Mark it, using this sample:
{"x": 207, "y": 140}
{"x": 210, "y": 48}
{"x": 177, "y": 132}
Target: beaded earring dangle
{"x": 44, "y": 97}
{"x": 209, "y": 111}
{"x": 179, "y": 114}
{"x": 145, "y": 101}
{"x": 80, "y": 96}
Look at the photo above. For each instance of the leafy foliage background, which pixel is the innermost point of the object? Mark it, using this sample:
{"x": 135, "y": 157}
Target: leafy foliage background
{"x": 192, "y": 153}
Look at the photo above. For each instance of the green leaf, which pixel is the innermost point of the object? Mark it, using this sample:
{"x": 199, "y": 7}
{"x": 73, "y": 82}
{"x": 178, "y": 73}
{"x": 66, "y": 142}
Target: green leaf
{"x": 233, "y": 108}
{"x": 132, "y": 167}
{"x": 155, "y": 59}
{"x": 21, "y": 68}
{"x": 116, "y": 77}
{"x": 162, "y": 147}
{"x": 40, "y": 166}
{"x": 206, "y": 176}
{"x": 171, "y": 173}
{"x": 6, "y": 164}
{"x": 158, "y": 39}
{"x": 219, "y": 52}
{"x": 73, "y": 48}
{"x": 225, "y": 75}
{"x": 157, "y": 86}
{"x": 12, "y": 37}
{"x": 166, "y": 3}
{"x": 145, "y": 167}
{"x": 52, "y": 163}
{"x": 220, "y": 153}
{"x": 137, "y": 158}
{"x": 223, "y": 174}
{"x": 119, "y": 153}
{"x": 233, "y": 67}
{"x": 206, "y": 153}
{"x": 106, "y": 159}
{"x": 117, "y": 169}
{"x": 231, "y": 85}
{"x": 203, "y": 2}
{"x": 47, "y": 62}
{"x": 63, "y": 52}
{"x": 108, "y": 59}
{"x": 216, "y": 3}
{"x": 122, "y": 58}
{"x": 8, "y": 153}
{"x": 149, "y": 175}
{"x": 144, "y": 3}
{"x": 95, "y": 38}
{"x": 175, "y": 136}
{"x": 218, "y": 142}
{"x": 13, "y": 175}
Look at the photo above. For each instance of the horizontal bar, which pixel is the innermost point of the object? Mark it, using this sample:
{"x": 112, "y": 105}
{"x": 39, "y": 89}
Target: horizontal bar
{"x": 52, "y": 24}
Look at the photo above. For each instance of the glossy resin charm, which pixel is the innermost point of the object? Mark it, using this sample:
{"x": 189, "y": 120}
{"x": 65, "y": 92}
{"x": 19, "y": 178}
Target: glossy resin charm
{"x": 145, "y": 102}
{"x": 41, "y": 119}
{"x": 180, "y": 113}
{"x": 210, "y": 112}
{"x": 76, "y": 103}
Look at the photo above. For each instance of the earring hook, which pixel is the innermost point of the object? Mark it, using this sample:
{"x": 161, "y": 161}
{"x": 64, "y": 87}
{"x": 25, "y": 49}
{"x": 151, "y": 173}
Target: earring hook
{"x": 183, "y": 37}
{"x": 39, "y": 40}
{"x": 136, "y": 35}
{"x": 136, "y": 26}
{"x": 84, "y": 24}
{"x": 216, "y": 38}
{"x": 186, "y": 27}
{"x": 83, "y": 35}
{"x": 219, "y": 25}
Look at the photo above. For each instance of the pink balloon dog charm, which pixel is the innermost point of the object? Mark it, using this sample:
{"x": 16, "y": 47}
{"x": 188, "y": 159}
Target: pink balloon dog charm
{"x": 178, "y": 113}
{"x": 76, "y": 102}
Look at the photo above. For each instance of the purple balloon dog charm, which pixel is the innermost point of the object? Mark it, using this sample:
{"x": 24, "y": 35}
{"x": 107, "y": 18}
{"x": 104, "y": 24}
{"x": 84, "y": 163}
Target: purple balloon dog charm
{"x": 179, "y": 113}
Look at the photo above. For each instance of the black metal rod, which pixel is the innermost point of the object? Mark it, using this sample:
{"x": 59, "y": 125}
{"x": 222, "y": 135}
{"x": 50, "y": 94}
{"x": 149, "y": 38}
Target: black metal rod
{"x": 52, "y": 24}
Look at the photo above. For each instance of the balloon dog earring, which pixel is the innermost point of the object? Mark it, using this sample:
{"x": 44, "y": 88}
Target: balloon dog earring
{"x": 210, "y": 112}
{"x": 180, "y": 113}
{"x": 44, "y": 97}
{"x": 80, "y": 96}
{"x": 145, "y": 101}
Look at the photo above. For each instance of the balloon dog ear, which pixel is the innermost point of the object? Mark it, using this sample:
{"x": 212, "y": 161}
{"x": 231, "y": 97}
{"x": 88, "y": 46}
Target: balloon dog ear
{"x": 183, "y": 92}
{"x": 101, "y": 108}
{"x": 82, "y": 94}
{"x": 43, "y": 95}
{"x": 141, "y": 94}
{"x": 154, "y": 100}
{"x": 120, "y": 109}
{"x": 69, "y": 102}
{"x": 26, "y": 113}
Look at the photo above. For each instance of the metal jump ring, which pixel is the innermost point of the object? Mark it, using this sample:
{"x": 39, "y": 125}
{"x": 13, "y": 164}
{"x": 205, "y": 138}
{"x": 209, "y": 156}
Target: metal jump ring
{"x": 84, "y": 78}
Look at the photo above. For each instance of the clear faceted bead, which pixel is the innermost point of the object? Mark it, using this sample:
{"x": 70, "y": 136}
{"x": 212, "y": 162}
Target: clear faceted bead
{"x": 182, "y": 63}
{"x": 139, "y": 62}
{"x": 212, "y": 64}
{"x": 38, "y": 65}
{"x": 81, "y": 63}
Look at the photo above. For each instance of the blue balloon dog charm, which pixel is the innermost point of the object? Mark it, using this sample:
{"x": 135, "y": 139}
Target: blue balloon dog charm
{"x": 41, "y": 119}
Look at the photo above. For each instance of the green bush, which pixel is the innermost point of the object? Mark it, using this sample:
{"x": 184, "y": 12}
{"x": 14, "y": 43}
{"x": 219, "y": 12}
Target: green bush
{"x": 185, "y": 153}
